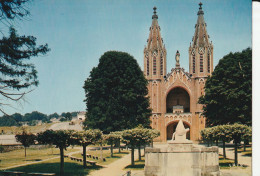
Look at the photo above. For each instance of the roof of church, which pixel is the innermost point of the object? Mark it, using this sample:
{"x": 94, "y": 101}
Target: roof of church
{"x": 201, "y": 37}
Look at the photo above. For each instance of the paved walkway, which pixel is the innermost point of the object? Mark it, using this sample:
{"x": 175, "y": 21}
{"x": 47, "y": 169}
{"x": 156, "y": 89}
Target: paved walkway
{"x": 117, "y": 168}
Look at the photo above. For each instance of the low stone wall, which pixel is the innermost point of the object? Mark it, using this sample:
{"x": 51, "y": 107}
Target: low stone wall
{"x": 182, "y": 159}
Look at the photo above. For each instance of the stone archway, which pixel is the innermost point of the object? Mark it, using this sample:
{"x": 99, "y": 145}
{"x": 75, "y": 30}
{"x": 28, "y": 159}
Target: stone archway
{"x": 171, "y": 127}
{"x": 178, "y": 97}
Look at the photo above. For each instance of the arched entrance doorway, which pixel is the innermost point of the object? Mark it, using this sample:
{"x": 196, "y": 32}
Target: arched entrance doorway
{"x": 172, "y": 127}
{"x": 178, "y": 97}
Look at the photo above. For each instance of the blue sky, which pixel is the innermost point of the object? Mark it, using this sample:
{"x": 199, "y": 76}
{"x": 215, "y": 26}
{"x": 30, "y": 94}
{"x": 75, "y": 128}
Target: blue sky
{"x": 79, "y": 32}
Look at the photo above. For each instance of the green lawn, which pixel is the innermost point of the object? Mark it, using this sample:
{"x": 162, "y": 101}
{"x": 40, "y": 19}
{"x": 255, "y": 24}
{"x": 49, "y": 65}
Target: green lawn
{"x": 71, "y": 168}
{"x": 16, "y": 157}
{"x": 248, "y": 151}
{"x": 106, "y": 154}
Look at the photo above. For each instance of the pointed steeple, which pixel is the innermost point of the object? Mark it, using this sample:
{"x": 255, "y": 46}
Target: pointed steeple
{"x": 201, "y": 37}
{"x": 155, "y": 52}
{"x": 201, "y": 50}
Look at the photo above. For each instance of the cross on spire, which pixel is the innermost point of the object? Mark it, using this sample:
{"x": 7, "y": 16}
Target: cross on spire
{"x": 154, "y": 10}
{"x": 200, "y": 4}
{"x": 154, "y": 13}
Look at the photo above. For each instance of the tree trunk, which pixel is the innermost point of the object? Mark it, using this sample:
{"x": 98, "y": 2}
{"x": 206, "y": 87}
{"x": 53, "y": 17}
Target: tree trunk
{"x": 139, "y": 152}
{"x": 236, "y": 162}
{"x": 132, "y": 156}
{"x": 144, "y": 150}
{"x": 119, "y": 150}
{"x": 61, "y": 161}
{"x": 111, "y": 149}
{"x": 224, "y": 149}
{"x": 24, "y": 151}
{"x": 216, "y": 142}
{"x": 101, "y": 149}
{"x": 84, "y": 156}
{"x": 245, "y": 143}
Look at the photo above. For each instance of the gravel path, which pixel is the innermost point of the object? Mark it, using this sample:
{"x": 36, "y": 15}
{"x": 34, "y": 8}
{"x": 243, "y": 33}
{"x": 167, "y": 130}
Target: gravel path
{"x": 117, "y": 168}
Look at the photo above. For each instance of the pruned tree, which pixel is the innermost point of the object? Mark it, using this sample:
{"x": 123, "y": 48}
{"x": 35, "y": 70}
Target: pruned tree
{"x": 60, "y": 138}
{"x": 130, "y": 139}
{"x": 86, "y": 138}
{"x": 26, "y": 139}
{"x": 112, "y": 139}
{"x": 137, "y": 137}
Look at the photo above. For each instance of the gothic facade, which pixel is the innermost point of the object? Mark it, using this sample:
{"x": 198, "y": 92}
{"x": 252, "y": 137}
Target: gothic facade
{"x": 174, "y": 95}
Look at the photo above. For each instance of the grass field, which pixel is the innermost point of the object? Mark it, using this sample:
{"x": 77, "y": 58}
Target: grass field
{"x": 32, "y": 129}
{"x": 72, "y": 168}
{"x": 16, "y": 157}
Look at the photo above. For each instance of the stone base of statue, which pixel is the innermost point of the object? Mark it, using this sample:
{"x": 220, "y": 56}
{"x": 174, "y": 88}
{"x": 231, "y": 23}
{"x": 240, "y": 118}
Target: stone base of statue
{"x": 182, "y": 158}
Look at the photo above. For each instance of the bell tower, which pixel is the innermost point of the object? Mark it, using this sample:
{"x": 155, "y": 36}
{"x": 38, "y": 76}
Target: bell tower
{"x": 155, "y": 52}
{"x": 201, "y": 50}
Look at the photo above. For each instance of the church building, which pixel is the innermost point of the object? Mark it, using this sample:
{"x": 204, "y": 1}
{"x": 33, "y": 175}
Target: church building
{"x": 174, "y": 95}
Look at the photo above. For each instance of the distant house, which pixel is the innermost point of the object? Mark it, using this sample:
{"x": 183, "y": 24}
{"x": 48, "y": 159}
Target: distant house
{"x": 81, "y": 115}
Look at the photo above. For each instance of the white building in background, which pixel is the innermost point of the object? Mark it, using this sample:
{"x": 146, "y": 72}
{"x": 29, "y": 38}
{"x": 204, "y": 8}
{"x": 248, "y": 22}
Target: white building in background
{"x": 81, "y": 115}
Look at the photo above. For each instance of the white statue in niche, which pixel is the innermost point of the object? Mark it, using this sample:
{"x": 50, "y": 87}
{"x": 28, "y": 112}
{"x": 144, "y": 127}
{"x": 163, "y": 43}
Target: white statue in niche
{"x": 180, "y": 133}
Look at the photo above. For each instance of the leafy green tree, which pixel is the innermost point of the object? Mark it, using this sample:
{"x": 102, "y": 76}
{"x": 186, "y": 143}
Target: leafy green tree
{"x": 131, "y": 140}
{"x": 17, "y": 117}
{"x": 86, "y": 138}
{"x": 60, "y": 138}
{"x": 228, "y": 92}
{"x": 26, "y": 139}
{"x": 6, "y": 120}
{"x": 112, "y": 139}
{"x": 247, "y": 137}
{"x": 116, "y": 94}
{"x": 17, "y": 72}
{"x": 68, "y": 116}
{"x": 54, "y": 115}
{"x": 237, "y": 132}
{"x": 35, "y": 115}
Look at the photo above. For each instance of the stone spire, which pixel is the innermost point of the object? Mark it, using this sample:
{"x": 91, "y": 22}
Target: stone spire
{"x": 155, "y": 52}
{"x": 201, "y": 37}
{"x": 201, "y": 49}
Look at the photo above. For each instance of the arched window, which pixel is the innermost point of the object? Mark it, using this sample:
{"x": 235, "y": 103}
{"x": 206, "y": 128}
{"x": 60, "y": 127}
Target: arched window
{"x": 147, "y": 69}
{"x": 201, "y": 63}
{"x": 193, "y": 63}
{"x": 154, "y": 65}
{"x": 208, "y": 62}
{"x": 161, "y": 65}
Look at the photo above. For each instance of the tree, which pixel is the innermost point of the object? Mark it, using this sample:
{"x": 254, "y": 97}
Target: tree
{"x": 60, "y": 138}
{"x": 237, "y": 132}
{"x": 86, "y": 138}
{"x": 130, "y": 139}
{"x": 116, "y": 94}
{"x": 8, "y": 121}
{"x": 68, "y": 116}
{"x": 228, "y": 92}
{"x": 26, "y": 139}
{"x": 112, "y": 139}
{"x": 15, "y": 51}
{"x": 54, "y": 115}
